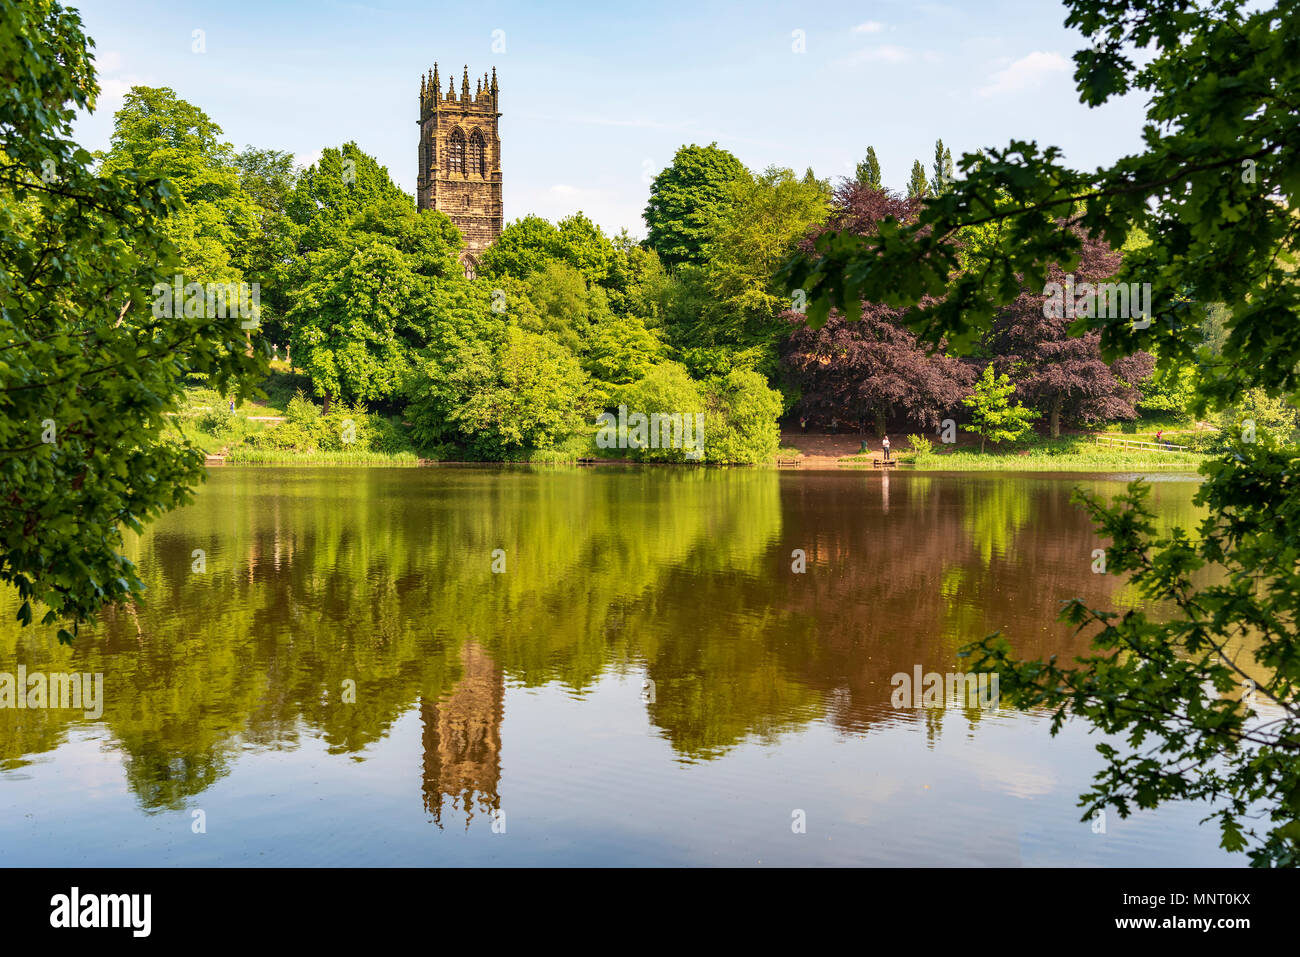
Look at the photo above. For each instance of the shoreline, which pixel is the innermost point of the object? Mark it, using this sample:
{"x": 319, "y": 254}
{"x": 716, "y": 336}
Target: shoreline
{"x": 1000, "y": 465}
{"x": 805, "y": 452}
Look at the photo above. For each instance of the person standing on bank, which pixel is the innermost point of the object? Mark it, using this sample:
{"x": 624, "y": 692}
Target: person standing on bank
{"x": 884, "y": 444}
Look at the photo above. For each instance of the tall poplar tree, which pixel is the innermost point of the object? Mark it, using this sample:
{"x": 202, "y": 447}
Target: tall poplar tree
{"x": 943, "y": 176}
{"x": 868, "y": 173}
{"x": 917, "y": 187}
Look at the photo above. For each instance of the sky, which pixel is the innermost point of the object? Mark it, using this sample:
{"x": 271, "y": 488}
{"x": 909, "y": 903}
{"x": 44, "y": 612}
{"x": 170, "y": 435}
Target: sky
{"x": 597, "y": 97}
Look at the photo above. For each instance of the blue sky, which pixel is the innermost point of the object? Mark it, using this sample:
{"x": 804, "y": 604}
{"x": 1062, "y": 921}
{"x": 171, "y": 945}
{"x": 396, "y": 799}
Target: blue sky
{"x": 596, "y": 97}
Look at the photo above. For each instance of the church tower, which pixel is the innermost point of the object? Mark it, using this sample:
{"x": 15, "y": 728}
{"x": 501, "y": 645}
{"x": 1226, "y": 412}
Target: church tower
{"x": 460, "y": 158}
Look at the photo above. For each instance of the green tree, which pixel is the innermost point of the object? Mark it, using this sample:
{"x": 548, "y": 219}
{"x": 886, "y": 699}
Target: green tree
{"x": 686, "y": 200}
{"x": 585, "y": 247}
{"x": 868, "y": 172}
{"x": 917, "y": 187}
{"x": 943, "y": 173}
{"x": 622, "y": 350}
{"x": 666, "y": 390}
{"x": 87, "y": 371}
{"x": 428, "y": 238}
{"x": 356, "y": 327}
{"x": 216, "y": 222}
{"x": 993, "y": 417}
{"x": 334, "y": 189}
{"x": 532, "y": 244}
{"x": 512, "y": 392}
{"x": 524, "y": 247}
{"x": 1214, "y": 189}
{"x": 741, "y": 424}
{"x": 362, "y": 288}
{"x": 560, "y": 304}
{"x": 638, "y": 284}
{"x": 1169, "y": 392}
{"x": 1255, "y": 417}
{"x": 766, "y": 216}
{"x": 267, "y": 177}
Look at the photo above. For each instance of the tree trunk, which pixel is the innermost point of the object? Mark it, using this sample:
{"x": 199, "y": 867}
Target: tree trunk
{"x": 880, "y": 421}
{"x": 325, "y": 408}
{"x": 1056, "y": 416}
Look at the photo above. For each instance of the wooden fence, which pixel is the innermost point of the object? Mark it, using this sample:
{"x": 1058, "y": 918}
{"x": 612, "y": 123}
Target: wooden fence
{"x": 1114, "y": 442}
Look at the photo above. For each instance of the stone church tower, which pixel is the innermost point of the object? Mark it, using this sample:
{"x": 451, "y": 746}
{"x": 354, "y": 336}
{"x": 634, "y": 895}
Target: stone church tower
{"x": 460, "y": 159}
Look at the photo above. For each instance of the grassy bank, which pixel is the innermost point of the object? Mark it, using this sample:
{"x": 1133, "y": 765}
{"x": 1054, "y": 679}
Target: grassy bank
{"x": 1111, "y": 460}
{"x": 245, "y": 456}
{"x": 288, "y": 429}
{"x": 1066, "y": 454}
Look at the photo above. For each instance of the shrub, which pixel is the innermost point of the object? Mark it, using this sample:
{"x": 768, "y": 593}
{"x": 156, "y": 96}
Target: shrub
{"x": 219, "y": 421}
{"x": 922, "y": 448}
{"x": 741, "y": 425}
{"x": 667, "y": 390}
{"x": 346, "y": 429}
{"x": 499, "y": 398}
{"x": 301, "y": 410}
{"x": 287, "y": 436}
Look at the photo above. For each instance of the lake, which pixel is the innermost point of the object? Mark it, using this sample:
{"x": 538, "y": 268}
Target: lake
{"x": 609, "y": 666}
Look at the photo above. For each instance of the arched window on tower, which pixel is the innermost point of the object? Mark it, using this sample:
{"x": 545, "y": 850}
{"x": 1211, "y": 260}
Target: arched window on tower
{"x": 456, "y": 152}
{"x": 477, "y": 153}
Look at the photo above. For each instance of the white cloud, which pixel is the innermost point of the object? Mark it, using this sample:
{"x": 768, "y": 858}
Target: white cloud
{"x": 308, "y": 159}
{"x": 871, "y": 26}
{"x": 1028, "y": 71}
{"x": 108, "y": 61}
{"x": 585, "y": 120}
{"x": 113, "y": 84}
{"x": 886, "y": 53}
{"x": 113, "y": 91}
{"x": 611, "y": 206}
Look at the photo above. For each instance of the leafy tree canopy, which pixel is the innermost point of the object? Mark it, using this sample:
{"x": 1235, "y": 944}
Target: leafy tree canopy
{"x": 868, "y": 171}
{"x": 994, "y": 417}
{"x": 216, "y": 221}
{"x": 686, "y": 200}
{"x": 766, "y": 216}
{"x": 334, "y": 189}
{"x": 500, "y": 395}
{"x": 917, "y": 186}
{"x": 87, "y": 371}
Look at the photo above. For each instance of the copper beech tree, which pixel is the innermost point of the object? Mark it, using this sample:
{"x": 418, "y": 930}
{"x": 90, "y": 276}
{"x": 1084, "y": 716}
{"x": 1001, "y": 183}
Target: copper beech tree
{"x": 873, "y": 370}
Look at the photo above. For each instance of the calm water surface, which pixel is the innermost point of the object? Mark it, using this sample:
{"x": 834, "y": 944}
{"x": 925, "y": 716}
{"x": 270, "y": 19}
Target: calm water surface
{"x": 646, "y": 682}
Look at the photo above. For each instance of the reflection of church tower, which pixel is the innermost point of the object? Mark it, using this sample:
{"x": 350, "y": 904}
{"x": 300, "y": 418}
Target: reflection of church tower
{"x": 462, "y": 738}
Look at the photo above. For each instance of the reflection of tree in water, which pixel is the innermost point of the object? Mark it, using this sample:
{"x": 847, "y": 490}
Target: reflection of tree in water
{"x": 317, "y": 580}
{"x": 462, "y": 739}
{"x": 952, "y": 560}
{"x": 164, "y": 780}
{"x": 995, "y": 512}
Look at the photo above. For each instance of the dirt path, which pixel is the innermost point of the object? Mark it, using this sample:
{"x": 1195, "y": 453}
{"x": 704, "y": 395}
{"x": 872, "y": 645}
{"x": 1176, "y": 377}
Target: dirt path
{"x": 823, "y": 450}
